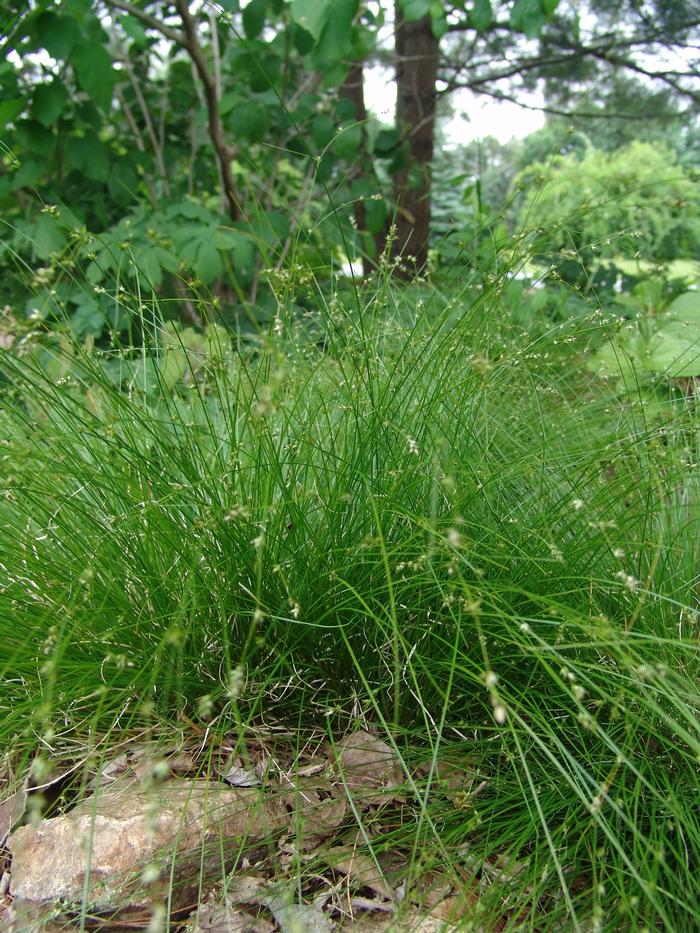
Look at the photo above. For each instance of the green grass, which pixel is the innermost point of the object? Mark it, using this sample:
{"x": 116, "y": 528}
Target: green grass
{"x": 428, "y": 524}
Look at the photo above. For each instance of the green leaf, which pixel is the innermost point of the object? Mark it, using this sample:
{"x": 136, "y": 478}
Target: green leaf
{"x": 528, "y": 16}
{"x": 148, "y": 263}
{"x": 207, "y": 263}
{"x": 228, "y": 102}
{"x": 335, "y": 41}
{"x": 348, "y": 142}
{"x": 48, "y": 237}
{"x": 375, "y": 215}
{"x": 386, "y": 142}
{"x": 36, "y": 138}
{"x": 549, "y": 6}
{"x": 94, "y": 73}
{"x": 249, "y": 120}
{"x": 48, "y": 102}
{"x": 123, "y": 181}
{"x": 237, "y": 244}
{"x": 322, "y": 130}
{"x": 57, "y": 34}
{"x": 264, "y": 71}
{"x": 675, "y": 350}
{"x": 88, "y": 318}
{"x": 685, "y": 307}
{"x": 134, "y": 28}
{"x": 415, "y": 9}
{"x": 89, "y": 156}
{"x": 303, "y": 40}
{"x": 614, "y": 361}
{"x": 29, "y": 173}
{"x": 9, "y": 109}
{"x": 254, "y": 18}
{"x": 481, "y": 15}
{"x": 168, "y": 260}
{"x": 311, "y": 15}
{"x": 438, "y": 24}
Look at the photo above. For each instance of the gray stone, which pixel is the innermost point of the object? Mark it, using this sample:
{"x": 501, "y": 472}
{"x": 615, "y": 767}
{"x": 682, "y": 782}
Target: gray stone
{"x": 136, "y": 842}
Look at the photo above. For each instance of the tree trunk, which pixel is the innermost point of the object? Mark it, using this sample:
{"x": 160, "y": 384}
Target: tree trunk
{"x": 352, "y": 89}
{"x": 416, "y": 74}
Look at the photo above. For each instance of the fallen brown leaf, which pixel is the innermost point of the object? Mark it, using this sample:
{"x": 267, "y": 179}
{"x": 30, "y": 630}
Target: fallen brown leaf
{"x": 359, "y": 868}
{"x": 369, "y": 767}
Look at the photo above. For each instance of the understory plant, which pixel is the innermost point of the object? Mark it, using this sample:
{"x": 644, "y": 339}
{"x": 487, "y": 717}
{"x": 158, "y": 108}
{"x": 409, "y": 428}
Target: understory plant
{"x": 422, "y": 524}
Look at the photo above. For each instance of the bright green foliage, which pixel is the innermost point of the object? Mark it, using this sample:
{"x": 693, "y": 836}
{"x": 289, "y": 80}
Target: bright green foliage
{"x": 657, "y": 340}
{"x": 637, "y": 201}
{"x": 115, "y": 140}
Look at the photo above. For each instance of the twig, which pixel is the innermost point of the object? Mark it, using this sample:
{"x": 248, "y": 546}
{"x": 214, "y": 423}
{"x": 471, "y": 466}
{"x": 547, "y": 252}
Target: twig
{"x": 150, "y": 129}
{"x": 217, "y": 87}
{"x": 138, "y": 140}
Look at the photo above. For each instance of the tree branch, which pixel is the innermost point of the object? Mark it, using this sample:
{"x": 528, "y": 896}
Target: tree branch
{"x": 149, "y": 20}
{"x": 216, "y": 130}
{"x": 570, "y": 114}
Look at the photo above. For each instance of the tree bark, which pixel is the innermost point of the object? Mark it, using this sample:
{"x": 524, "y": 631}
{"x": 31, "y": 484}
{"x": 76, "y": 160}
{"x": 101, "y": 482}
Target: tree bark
{"x": 416, "y": 73}
{"x": 352, "y": 89}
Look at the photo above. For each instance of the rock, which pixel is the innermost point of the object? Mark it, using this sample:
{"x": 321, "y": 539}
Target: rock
{"x": 22, "y": 917}
{"x": 131, "y": 839}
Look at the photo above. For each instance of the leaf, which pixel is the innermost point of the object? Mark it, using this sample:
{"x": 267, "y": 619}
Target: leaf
{"x": 481, "y": 15}
{"x": 249, "y": 120}
{"x": 386, "y": 142}
{"x": 311, "y": 15}
{"x": 303, "y": 40}
{"x": 614, "y": 361}
{"x": 369, "y": 766}
{"x": 168, "y": 260}
{"x": 254, "y": 18}
{"x": 335, "y": 41}
{"x": 675, "y": 350}
{"x": 438, "y": 24}
{"x": 123, "y": 181}
{"x": 685, "y": 307}
{"x": 94, "y": 73}
{"x": 347, "y": 143}
{"x": 228, "y": 918}
{"x": 375, "y": 215}
{"x": 87, "y": 319}
{"x": 528, "y": 16}
{"x": 239, "y": 777}
{"x": 415, "y": 9}
{"x": 148, "y": 264}
{"x": 322, "y": 130}
{"x": 298, "y": 918}
{"x": 57, "y": 34}
{"x": 134, "y": 29}
{"x": 9, "y": 109}
{"x": 48, "y": 238}
{"x": 36, "y": 138}
{"x": 207, "y": 263}
{"x": 48, "y": 102}
{"x": 89, "y": 156}
{"x": 317, "y": 809}
{"x": 360, "y": 869}
{"x": 29, "y": 173}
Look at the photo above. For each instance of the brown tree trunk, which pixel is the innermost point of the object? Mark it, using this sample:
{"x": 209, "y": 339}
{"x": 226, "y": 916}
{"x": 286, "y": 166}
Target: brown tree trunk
{"x": 352, "y": 89}
{"x": 416, "y": 74}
